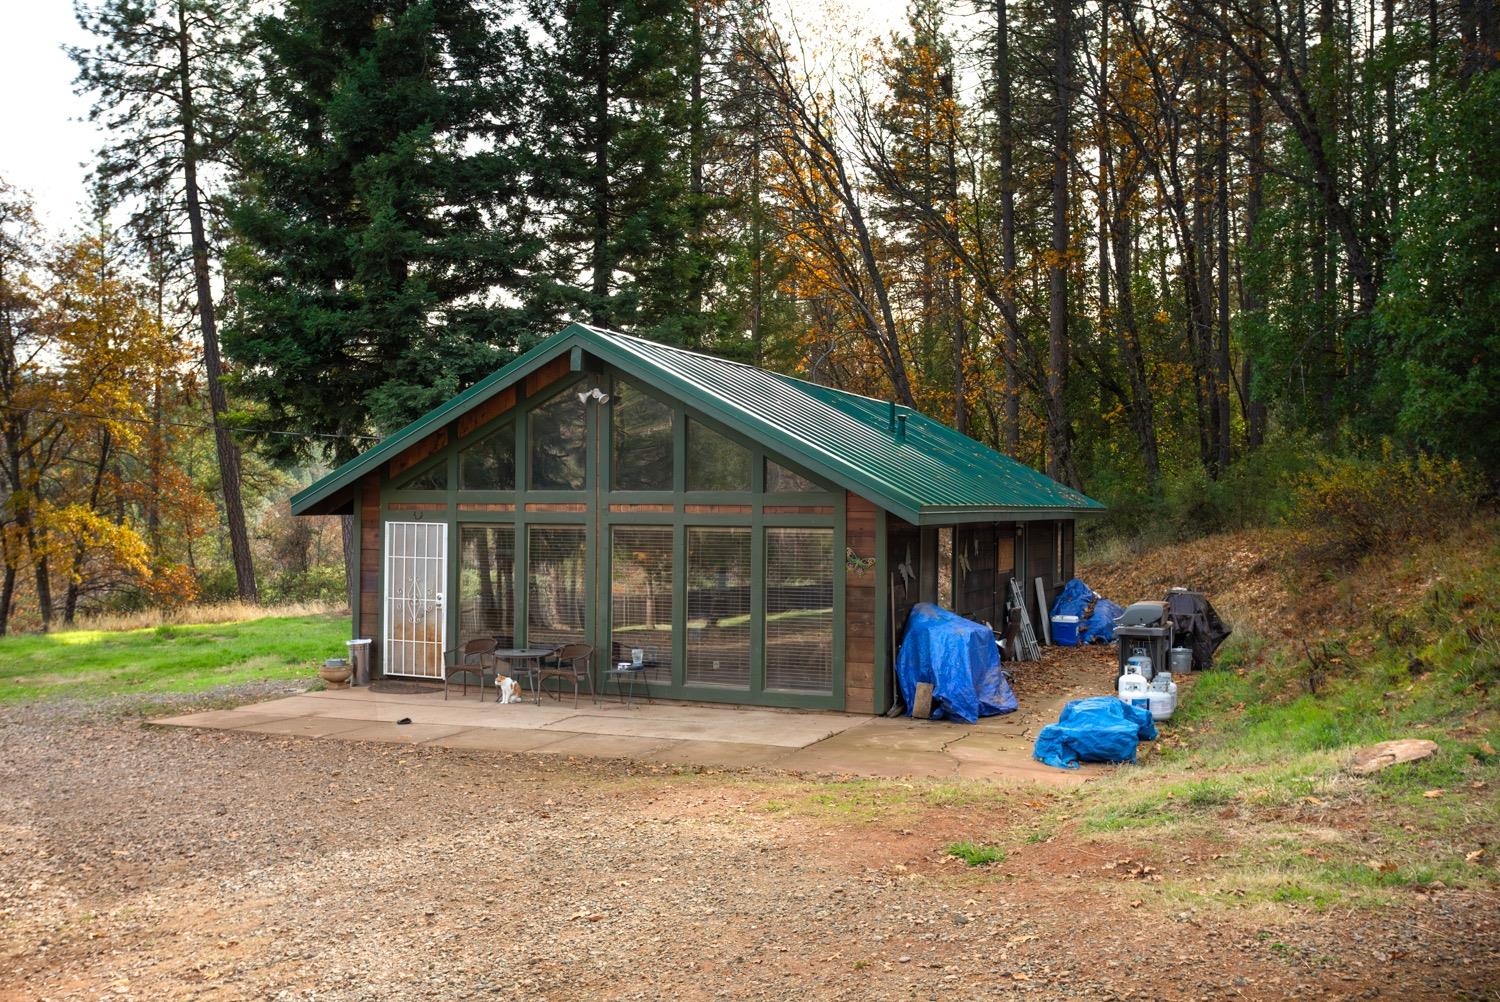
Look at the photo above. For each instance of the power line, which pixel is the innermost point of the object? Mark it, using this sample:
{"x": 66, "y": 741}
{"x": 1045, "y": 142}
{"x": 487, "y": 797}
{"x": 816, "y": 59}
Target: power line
{"x": 197, "y": 427}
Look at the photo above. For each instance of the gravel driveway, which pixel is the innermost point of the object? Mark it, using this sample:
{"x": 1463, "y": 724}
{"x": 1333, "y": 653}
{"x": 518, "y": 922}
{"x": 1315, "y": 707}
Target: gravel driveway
{"x": 142, "y": 862}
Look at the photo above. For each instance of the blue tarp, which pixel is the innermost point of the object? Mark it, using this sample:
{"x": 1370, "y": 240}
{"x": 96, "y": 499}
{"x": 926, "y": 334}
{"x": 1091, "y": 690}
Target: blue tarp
{"x": 1097, "y": 729}
{"x": 1099, "y": 628}
{"x": 959, "y": 658}
{"x": 1073, "y": 600}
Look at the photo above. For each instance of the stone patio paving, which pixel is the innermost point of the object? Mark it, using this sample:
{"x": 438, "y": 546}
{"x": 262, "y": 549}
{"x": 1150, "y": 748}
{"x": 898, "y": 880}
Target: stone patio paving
{"x": 997, "y": 748}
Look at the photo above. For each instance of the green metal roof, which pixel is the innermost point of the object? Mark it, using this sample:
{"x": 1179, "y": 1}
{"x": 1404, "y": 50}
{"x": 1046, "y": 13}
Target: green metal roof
{"x": 931, "y": 475}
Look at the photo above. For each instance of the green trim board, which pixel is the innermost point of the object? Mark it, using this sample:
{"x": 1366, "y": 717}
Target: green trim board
{"x": 903, "y": 461}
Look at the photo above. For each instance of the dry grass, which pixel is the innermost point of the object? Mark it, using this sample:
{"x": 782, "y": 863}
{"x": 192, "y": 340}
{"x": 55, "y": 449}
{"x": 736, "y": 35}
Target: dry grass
{"x": 192, "y": 615}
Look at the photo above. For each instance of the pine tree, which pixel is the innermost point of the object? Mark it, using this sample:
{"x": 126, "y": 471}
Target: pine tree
{"x": 626, "y": 129}
{"x": 384, "y": 257}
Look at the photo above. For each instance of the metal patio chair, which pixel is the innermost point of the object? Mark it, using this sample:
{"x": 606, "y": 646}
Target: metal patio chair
{"x": 570, "y": 662}
{"x": 473, "y": 658}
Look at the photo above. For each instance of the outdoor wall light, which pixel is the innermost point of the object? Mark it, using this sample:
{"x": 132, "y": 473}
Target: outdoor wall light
{"x": 595, "y": 394}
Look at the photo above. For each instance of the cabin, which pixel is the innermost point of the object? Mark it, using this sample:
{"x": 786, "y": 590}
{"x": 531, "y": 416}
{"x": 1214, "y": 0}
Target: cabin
{"x": 747, "y": 536}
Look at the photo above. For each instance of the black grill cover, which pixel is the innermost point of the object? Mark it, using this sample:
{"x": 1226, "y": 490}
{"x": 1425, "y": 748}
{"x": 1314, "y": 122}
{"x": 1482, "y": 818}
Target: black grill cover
{"x": 1196, "y": 625}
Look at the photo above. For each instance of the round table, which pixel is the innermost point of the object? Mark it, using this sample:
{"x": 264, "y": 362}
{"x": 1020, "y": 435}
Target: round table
{"x": 531, "y": 654}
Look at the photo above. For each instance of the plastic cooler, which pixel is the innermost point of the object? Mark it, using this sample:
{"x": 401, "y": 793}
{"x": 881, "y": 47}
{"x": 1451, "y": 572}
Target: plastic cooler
{"x": 1065, "y": 631}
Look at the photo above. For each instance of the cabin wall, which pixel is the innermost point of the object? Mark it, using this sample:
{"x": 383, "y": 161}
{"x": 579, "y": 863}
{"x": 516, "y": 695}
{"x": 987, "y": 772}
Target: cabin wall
{"x": 859, "y": 607}
{"x": 367, "y": 615}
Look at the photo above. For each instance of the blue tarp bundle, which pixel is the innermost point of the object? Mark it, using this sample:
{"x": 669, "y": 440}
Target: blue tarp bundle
{"x": 1097, "y": 729}
{"x": 959, "y": 658}
{"x": 1099, "y": 628}
{"x": 1073, "y": 600}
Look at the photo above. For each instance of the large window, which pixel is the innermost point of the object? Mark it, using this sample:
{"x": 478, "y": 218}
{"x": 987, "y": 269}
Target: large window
{"x": 490, "y": 463}
{"x": 714, "y": 462}
{"x": 558, "y": 443}
{"x": 642, "y": 455}
{"x": 718, "y": 612}
{"x": 486, "y": 583}
{"x": 799, "y": 609}
{"x": 641, "y": 602}
{"x": 556, "y": 584}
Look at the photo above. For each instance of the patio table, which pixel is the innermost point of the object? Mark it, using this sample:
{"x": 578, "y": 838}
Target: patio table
{"x": 626, "y": 670}
{"x": 533, "y": 655}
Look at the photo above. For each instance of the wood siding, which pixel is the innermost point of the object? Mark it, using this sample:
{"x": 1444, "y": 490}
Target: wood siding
{"x": 367, "y": 616}
{"x": 859, "y": 609}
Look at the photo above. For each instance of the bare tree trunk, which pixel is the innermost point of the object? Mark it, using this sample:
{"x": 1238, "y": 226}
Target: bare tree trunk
{"x": 757, "y": 235}
{"x": 43, "y": 577}
{"x": 1221, "y": 195}
{"x": 1254, "y": 298}
{"x": 1007, "y": 142}
{"x": 7, "y": 595}
{"x": 601, "y": 261}
{"x": 75, "y": 567}
{"x": 955, "y": 280}
{"x": 1059, "y": 452}
{"x": 696, "y": 143}
{"x": 224, "y": 444}
{"x": 350, "y": 540}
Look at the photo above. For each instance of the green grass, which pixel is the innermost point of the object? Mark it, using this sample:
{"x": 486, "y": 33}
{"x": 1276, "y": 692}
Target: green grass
{"x": 167, "y": 659}
{"x": 975, "y": 854}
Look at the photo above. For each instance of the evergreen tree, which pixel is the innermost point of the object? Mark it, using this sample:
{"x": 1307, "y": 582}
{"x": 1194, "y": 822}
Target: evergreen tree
{"x": 627, "y": 123}
{"x": 385, "y": 258}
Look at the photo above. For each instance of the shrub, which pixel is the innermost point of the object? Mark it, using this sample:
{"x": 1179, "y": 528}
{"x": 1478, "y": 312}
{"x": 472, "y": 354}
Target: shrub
{"x": 1348, "y": 507}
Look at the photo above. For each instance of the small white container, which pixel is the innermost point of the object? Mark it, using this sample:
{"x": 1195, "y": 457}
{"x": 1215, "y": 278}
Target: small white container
{"x": 1135, "y": 690}
{"x": 1162, "y": 702}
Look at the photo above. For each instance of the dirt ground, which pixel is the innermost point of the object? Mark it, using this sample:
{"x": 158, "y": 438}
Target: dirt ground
{"x": 142, "y": 862}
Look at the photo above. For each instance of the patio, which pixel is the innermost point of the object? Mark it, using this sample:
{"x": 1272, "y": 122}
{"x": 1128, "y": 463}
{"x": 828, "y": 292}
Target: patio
{"x": 997, "y": 748}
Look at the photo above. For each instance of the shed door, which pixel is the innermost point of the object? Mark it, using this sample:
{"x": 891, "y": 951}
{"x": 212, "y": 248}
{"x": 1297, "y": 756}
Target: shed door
{"x": 416, "y": 573}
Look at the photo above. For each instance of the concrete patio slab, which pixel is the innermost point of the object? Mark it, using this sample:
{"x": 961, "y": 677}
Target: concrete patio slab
{"x": 603, "y": 746}
{"x": 306, "y": 727}
{"x": 787, "y": 730}
{"x": 410, "y": 734}
{"x": 720, "y": 754}
{"x": 496, "y": 739}
{"x": 222, "y": 719}
{"x": 817, "y": 743}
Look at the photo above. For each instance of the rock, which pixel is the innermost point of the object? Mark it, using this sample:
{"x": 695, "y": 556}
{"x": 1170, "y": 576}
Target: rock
{"x": 1374, "y": 758}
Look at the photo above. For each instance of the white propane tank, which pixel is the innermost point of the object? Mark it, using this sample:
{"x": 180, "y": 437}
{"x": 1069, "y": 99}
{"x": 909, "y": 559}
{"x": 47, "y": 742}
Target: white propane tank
{"x": 1162, "y": 696}
{"x": 1135, "y": 690}
{"x": 1140, "y": 663}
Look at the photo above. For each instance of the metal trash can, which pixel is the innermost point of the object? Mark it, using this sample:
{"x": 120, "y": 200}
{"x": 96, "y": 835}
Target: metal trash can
{"x": 1144, "y": 626}
{"x": 359, "y": 658}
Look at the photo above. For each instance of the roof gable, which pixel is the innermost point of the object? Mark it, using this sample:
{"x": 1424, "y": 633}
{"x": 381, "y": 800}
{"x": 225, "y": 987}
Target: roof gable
{"x": 931, "y": 474}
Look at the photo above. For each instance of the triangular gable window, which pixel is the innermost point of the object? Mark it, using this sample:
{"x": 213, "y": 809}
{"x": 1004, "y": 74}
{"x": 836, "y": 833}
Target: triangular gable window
{"x": 434, "y": 478}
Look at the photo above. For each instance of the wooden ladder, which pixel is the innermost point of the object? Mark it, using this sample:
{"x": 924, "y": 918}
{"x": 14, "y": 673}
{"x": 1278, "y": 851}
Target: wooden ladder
{"x": 1030, "y": 649}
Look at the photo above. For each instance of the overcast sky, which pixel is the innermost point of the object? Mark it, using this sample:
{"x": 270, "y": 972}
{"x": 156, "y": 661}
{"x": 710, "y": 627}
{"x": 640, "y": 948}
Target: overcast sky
{"x": 46, "y": 140}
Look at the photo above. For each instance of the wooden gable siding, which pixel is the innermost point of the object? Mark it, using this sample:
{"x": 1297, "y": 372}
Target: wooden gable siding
{"x": 859, "y": 609}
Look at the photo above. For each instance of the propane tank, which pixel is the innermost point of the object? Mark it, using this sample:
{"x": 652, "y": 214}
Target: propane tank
{"x": 1135, "y": 690}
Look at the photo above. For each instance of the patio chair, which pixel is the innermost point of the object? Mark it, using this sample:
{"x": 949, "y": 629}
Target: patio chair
{"x": 473, "y": 658}
{"x": 571, "y": 662}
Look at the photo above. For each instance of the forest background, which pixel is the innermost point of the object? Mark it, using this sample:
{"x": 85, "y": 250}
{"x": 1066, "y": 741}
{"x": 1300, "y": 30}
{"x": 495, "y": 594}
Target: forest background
{"x": 1217, "y": 263}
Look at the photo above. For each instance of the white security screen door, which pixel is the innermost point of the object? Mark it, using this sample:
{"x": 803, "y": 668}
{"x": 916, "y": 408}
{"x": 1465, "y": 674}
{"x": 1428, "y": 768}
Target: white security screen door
{"x": 416, "y": 574}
